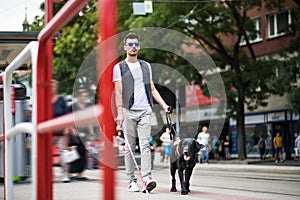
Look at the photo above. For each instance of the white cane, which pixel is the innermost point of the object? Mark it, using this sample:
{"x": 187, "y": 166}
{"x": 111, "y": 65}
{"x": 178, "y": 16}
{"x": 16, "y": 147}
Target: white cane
{"x": 119, "y": 129}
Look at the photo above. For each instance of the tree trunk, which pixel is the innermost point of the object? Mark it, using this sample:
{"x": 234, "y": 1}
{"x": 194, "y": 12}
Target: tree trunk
{"x": 241, "y": 132}
{"x": 241, "y": 118}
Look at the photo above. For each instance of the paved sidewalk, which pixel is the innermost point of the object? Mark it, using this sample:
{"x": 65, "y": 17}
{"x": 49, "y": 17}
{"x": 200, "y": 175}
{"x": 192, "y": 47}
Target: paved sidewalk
{"x": 250, "y": 165}
{"x": 93, "y": 189}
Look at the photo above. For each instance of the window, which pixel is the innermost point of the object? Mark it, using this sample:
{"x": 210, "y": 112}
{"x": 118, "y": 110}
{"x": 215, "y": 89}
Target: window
{"x": 256, "y": 35}
{"x": 279, "y": 23}
{"x": 253, "y": 132}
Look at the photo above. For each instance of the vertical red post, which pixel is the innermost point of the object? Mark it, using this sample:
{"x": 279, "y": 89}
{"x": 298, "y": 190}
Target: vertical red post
{"x": 44, "y": 107}
{"x": 106, "y": 56}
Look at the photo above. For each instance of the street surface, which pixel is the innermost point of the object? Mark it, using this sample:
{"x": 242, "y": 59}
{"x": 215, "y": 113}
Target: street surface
{"x": 208, "y": 182}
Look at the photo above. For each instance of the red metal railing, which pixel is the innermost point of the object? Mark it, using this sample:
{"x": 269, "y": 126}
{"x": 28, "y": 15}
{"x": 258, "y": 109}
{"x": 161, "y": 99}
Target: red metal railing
{"x": 45, "y": 126}
{"x": 83, "y": 117}
{"x": 107, "y": 53}
{"x": 44, "y": 75}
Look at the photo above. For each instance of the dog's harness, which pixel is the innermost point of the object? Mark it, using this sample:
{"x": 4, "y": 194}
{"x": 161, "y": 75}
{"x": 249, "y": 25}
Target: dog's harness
{"x": 171, "y": 124}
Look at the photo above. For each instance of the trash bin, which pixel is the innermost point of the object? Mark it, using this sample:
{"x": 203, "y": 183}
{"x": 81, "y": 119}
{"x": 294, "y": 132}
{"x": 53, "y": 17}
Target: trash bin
{"x": 19, "y": 140}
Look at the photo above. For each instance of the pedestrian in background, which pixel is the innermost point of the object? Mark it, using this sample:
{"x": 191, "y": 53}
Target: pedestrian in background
{"x": 261, "y": 147}
{"x": 61, "y": 139}
{"x": 204, "y": 139}
{"x": 80, "y": 137}
{"x": 269, "y": 146}
{"x": 216, "y": 144}
{"x": 227, "y": 147}
{"x": 167, "y": 143}
{"x": 134, "y": 90}
{"x": 278, "y": 143}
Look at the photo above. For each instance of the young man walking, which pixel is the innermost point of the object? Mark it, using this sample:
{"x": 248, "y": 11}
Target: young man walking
{"x": 134, "y": 90}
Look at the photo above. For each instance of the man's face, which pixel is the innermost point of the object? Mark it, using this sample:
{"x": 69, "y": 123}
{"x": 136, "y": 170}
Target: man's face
{"x": 132, "y": 47}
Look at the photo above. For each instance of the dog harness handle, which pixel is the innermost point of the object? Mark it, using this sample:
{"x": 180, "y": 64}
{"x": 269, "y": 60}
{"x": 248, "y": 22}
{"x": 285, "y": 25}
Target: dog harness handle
{"x": 171, "y": 126}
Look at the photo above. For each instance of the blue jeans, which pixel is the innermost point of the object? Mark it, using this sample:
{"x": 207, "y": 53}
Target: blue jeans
{"x": 204, "y": 153}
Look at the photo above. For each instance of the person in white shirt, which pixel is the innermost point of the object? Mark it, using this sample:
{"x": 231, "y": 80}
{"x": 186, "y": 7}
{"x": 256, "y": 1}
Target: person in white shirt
{"x": 134, "y": 90}
{"x": 167, "y": 143}
{"x": 204, "y": 138}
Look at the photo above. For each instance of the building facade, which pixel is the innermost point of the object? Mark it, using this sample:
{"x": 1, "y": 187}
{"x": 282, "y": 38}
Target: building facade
{"x": 274, "y": 33}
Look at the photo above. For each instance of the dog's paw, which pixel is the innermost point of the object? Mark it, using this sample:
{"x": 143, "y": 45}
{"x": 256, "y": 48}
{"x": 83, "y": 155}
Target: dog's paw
{"x": 184, "y": 192}
{"x": 173, "y": 189}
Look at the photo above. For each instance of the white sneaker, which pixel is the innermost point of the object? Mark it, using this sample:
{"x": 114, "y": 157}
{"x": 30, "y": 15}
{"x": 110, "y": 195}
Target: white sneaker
{"x": 133, "y": 187}
{"x": 66, "y": 179}
{"x": 150, "y": 185}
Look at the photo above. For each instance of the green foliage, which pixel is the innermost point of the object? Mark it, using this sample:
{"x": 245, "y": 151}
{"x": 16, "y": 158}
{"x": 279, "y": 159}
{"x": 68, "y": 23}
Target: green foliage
{"x": 257, "y": 89}
{"x": 293, "y": 97}
{"x": 247, "y": 80}
{"x": 288, "y": 75}
{"x": 72, "y": 47}
{"x": 75, "y": 41}
{"x": 207, "y": 23}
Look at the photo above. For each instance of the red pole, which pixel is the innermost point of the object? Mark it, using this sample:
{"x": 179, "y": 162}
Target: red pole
{"x": 78, "y": 118}
{"x": 107, "y": 54}
{"x": 44, "y": 107}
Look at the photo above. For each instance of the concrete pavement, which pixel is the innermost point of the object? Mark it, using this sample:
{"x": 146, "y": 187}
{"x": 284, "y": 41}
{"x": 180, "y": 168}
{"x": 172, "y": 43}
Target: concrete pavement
{"x": 250, "y": 165}
{"x": 93, "y": 189}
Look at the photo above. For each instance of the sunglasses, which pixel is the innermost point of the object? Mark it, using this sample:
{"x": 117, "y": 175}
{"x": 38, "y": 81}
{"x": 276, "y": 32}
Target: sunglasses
{"x": 130, "y": 44}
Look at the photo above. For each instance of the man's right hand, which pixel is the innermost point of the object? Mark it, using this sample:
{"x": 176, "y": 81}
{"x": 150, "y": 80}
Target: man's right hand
{"x": 119, "y": 119}
{"x": 169, "y": 109}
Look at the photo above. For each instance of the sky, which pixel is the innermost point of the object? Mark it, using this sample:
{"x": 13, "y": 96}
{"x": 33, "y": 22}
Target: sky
{"x": 12, "y": 13}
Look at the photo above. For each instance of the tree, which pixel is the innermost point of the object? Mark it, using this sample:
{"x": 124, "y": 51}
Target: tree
{"x": 287, "y": 83}
{"x": 209, "y": 23}
{"x": 289, "y": 67}
{"x": 74, "y": 42}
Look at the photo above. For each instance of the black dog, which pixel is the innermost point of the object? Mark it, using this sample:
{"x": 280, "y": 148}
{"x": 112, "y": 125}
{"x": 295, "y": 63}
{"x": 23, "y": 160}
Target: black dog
{"x": 183, "y": 158}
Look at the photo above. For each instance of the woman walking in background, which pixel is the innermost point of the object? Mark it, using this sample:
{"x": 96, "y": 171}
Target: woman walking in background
{"x": 78, "y": 167}
{"x": 167, "y": 143}
{"x": 61, "y": 139}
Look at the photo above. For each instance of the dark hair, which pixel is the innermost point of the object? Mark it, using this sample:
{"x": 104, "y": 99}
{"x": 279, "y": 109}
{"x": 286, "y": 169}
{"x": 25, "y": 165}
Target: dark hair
{"x": 130, "y": 36}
